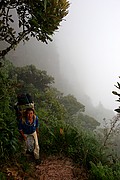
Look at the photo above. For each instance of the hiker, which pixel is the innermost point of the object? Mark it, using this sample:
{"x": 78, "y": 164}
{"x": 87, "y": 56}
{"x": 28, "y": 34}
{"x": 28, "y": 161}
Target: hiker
{"x": 29, "y": 126}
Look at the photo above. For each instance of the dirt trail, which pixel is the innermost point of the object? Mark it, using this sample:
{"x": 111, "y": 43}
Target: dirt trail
{"x": 51, "y": 168}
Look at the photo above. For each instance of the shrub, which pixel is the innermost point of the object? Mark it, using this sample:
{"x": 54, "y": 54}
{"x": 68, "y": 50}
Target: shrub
{"x": 8, "y": 129}
{"x": 104, "y": 172}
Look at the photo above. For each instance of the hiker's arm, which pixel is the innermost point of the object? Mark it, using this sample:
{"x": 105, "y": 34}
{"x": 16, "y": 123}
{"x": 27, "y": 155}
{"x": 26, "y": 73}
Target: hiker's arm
{"x": 20, "y": 129}
{"x": 22, "y": 134}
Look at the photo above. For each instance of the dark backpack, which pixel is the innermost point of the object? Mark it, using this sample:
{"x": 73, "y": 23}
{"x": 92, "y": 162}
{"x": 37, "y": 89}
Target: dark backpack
{"x": 24, "y": 99}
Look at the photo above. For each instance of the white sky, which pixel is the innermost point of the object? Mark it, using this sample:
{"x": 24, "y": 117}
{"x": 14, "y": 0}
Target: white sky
{"x": 89, "y": 46}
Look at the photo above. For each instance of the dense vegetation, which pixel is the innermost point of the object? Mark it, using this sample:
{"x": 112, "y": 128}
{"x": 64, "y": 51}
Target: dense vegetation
{"x": 64, "y": 126}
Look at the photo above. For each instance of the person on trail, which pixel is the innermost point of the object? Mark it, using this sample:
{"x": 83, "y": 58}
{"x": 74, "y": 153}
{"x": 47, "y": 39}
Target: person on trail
{"x": 29, "y": 126}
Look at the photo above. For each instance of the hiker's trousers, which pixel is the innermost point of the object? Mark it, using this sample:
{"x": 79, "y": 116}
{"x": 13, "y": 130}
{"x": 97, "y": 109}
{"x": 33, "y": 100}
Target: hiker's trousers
{"x": 36, "y": 150}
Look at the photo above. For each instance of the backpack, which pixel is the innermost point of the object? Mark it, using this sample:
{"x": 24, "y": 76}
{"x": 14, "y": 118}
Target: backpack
{"x": 24, "y": 101}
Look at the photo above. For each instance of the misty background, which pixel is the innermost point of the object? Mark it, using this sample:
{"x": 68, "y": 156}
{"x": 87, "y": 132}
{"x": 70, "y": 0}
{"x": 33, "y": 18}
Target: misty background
{"x": 84, "y": 57}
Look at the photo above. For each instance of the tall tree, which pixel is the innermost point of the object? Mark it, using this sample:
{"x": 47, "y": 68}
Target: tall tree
{"x": 37, "y": 18}
{"x": 71, "y": 104}
{"x": 31, "y": 75}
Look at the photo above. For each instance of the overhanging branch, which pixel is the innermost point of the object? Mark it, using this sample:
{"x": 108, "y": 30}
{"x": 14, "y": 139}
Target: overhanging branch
{"x": 4, "y": 52}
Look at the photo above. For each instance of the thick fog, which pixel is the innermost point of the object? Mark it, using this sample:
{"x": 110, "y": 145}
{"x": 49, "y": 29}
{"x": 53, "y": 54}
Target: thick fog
{"x": 89, "y": 43}
{"x": 85, "y": 51}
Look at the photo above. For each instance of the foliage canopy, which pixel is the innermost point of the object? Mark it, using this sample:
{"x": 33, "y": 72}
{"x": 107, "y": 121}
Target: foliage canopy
{"x": 21, "y": 19}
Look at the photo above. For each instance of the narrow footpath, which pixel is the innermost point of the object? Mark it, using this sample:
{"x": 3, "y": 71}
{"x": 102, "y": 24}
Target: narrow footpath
{"x": 51, "y": 168}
